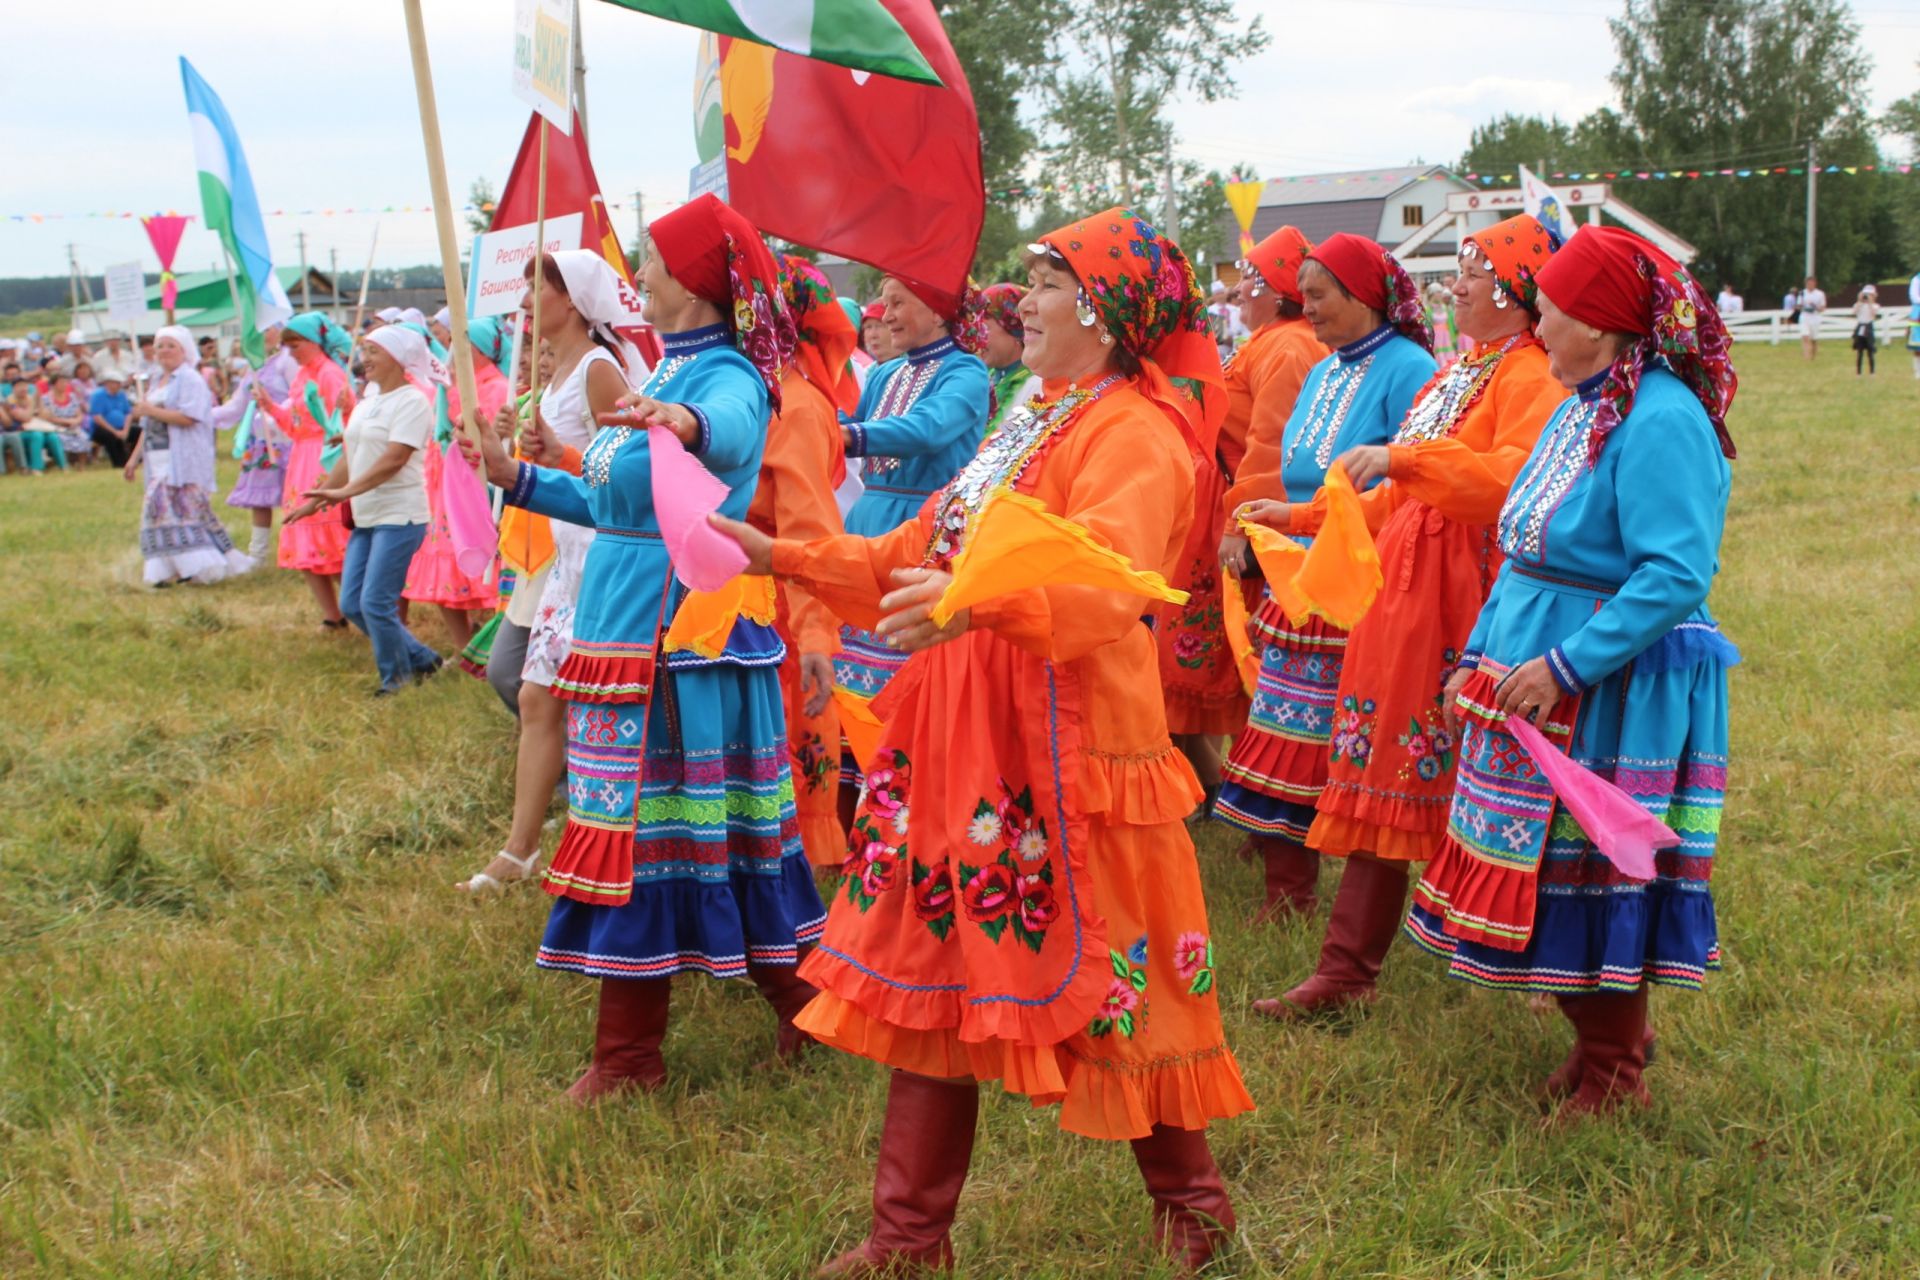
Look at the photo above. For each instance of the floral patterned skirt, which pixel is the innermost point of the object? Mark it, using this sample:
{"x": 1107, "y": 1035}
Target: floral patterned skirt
{"x": 813, "y": 744}
{"x": 1391, "y": 758}
{"x": 1015, "y": 911}
{"x": 1273, "y": 776}
{"x": 1197, "y": 669}
{"x": 550, "y": 637}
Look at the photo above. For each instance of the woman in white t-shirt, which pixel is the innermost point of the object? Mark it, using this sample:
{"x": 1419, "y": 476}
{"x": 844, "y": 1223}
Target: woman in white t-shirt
{"x": 380, "y": 476}
{"x": 1813, "y": 302}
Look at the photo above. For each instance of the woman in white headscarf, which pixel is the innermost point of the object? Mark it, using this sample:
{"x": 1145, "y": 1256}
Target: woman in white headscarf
{"x": 380, "y": 475}
{"x": 581, "y": 300}
{"x": 181, "y": 539}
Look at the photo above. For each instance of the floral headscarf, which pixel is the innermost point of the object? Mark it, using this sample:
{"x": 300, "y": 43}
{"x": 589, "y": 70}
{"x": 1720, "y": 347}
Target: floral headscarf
{"x": 718, "y": 255}
{"x": 825, "y": 337}
{"x": 1614, "y": 280}
{"x": 1003, "y": 307}
{"x": 966, "y": 318}
{"x": 1375, "y": 277}
{"x": 1144, "y": 291}
{"x": 1514, "y": 250}
{"x": 323, "y": 333}
{"x": 1278, "y": 257}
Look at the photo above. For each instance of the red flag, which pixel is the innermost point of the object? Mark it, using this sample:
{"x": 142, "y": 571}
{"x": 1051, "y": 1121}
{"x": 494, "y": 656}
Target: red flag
{"x": 571, "y": 188}
{"x": 876, "y": 169}
{"x": 163, "y": 233}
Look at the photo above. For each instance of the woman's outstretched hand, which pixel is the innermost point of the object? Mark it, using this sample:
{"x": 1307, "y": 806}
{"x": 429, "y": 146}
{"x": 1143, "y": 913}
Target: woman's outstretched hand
{"x": 757, "y": 545}
{"x": 907, "y": 611}
{"x": 637, "y": 410}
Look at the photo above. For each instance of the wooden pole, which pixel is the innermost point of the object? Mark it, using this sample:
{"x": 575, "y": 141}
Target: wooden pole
{"x": 360, "y": 310}
{"x": 443, "y": 221}
{"x": 540, "y": 265}
{"x": 233, "y": 292}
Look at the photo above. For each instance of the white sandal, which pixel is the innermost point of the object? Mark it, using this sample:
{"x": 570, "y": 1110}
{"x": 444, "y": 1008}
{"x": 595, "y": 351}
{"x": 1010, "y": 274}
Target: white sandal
{"x": 481, "y": 882}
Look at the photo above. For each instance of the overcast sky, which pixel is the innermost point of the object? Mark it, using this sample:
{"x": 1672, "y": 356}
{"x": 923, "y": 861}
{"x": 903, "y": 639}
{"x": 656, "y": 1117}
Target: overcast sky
{"x": 323, "y": 100}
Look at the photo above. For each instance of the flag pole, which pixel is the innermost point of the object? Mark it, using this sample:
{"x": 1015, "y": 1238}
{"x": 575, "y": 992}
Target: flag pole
{"x": 443, "y": 221}
{"x": 540, "y": 264}
{"x": 360, "y": 308}
{"x": 233, "y": 292}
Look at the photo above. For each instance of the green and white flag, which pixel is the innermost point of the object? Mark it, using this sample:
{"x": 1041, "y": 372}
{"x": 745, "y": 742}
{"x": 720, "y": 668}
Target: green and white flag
{"x": 851, "y": 33}
{"x": 232, "y": 211}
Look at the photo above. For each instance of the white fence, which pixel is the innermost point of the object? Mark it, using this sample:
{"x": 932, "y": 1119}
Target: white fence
{"x": 1835, "y": 326}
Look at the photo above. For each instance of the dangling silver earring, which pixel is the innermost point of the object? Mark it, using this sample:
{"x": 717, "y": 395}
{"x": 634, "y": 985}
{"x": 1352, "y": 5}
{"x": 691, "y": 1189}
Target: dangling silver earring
{"x": 1500, "y": 299}
{"x": 1105, "y": 337}
{"x": 1083, "y": 310}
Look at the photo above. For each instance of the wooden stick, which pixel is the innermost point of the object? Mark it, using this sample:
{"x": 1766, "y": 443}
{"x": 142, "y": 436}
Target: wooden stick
{"x": 359, "y": 311}
{"x": 443, "y": 221}
{"x": 540, "y": 265}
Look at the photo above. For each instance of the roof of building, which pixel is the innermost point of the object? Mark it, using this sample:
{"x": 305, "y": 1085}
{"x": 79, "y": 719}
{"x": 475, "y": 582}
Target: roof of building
{"x": 1350, "y": 185}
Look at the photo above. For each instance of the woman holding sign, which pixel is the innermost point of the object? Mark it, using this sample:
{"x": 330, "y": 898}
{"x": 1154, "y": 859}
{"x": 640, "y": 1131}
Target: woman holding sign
{"x": 682, "y": 851}
{"x": 1022, "y": 900}
{"x": 1597, "y": 632}
{"x": 313, "y": 416}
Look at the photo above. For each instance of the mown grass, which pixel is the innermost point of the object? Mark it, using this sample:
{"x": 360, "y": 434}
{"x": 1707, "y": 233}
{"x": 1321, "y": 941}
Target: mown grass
{"x": 248, "y": 1030}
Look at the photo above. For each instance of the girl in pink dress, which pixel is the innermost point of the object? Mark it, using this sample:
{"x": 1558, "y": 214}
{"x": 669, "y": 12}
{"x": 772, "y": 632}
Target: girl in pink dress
{"x": 316, "y": 546}
{"x": 434, "y": 577}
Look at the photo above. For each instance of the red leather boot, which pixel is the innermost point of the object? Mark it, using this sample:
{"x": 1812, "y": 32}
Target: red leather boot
{"x": 1611, "y": 1047}
{"x": 1293, "y": 878}
{"x": 1366, "y": 916}
{"x": 626, "y": 1039}
{"x": 788, "y": 993}
{"x": 926, "y": 1145}
{"x": 1192, "y": 1217}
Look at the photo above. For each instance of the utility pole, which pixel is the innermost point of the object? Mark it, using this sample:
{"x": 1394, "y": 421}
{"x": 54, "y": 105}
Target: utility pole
{"x": 306, "y": 288}
{"x": 73, "y": 282}
{"x": 333, "y": 275}
{"x": 639, "y": 227}
{"x": 1813, "y": 211}
{"x": 1170, "y": 220}
{"x": 579, "y": 74}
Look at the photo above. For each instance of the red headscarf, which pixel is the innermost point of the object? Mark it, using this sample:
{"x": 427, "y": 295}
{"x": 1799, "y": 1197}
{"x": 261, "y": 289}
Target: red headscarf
{"x": 1003, "y": 307}
{"x": 1143, "y": 289}
{"x": 826, "y": 337}
{"x": 1614, "y": 280}
{"x": 719, "y": 256}
{"x": 966, "y": 318}
{"x": 1515, "y": 250}
{"x": 1375, "y": 277}
{"x": 1278, "y": 257}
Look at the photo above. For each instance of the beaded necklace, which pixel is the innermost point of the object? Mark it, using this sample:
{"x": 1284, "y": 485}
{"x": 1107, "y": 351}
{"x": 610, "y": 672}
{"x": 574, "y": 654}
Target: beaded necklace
{"x": 1439, "y": 411}
{"x": 596, "y": 468}
{"x": 1002, "y": 460}
{"x": 1328, "y": 410}
{"x": 1544, "y": 484}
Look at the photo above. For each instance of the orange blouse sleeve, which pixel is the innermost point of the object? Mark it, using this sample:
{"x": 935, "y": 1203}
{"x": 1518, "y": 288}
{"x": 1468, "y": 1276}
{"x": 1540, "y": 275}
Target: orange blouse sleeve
{"x": 570, "y": 459}
{"x": 1376, "y": 504}
{"x": 1465, "y": 477}
{"x": 1131, "y": 487}
{"x": 800, "y": 455}
{"x": 1276, "y": 385}
{"x": 848, "y": 574}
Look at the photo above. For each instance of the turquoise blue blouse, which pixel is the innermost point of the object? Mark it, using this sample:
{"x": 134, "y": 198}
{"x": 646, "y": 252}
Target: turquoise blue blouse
{"x": 919, "y": 420}
{"x": 1356, "y": 396}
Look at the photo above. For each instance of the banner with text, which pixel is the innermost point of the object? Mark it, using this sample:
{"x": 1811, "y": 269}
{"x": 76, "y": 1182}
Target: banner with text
{"x": 499, "y": 276}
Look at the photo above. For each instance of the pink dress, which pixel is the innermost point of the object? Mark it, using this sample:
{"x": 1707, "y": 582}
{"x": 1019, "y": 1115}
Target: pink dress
{"x": 317, "y": 544}
{"x": 434, "y": 577}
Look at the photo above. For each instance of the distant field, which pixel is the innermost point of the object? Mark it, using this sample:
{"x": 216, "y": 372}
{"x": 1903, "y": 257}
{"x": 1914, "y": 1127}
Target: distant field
{"x": 45, "y": 322}
{"x": 247, "y": 1029}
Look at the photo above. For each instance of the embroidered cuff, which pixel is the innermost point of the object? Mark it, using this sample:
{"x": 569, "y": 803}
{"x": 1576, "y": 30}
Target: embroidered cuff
{"x": 1469, "y": 661}
{"x": 705, "y": 442}
{"x": 523, "y": 484}
{"x": 1563, "y": 673}
{"x": 856, "y": 440}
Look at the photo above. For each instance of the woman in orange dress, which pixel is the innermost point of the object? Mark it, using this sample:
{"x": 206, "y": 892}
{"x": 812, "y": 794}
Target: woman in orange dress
{"x": 1205, "y": 699}
{"x": 1446, "y": 473}
{"x": 803, "y": 465}
{"x": 1022, "y": 900}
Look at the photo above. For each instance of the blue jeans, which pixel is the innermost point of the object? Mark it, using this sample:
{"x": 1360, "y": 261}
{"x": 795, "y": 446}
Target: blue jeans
{"x": 370, "y": 585}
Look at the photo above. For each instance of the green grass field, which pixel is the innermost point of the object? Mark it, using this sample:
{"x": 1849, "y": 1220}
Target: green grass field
{"x": 247, "y": 1028}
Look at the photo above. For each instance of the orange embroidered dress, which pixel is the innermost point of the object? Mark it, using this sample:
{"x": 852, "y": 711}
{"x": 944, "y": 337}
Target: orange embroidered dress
{"x": 1390, "y": 776}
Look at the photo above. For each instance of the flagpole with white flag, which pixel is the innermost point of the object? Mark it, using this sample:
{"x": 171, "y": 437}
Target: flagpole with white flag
{"x": 232, "y": 211}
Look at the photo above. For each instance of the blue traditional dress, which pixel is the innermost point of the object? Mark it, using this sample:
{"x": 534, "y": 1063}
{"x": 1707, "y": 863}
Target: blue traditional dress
{"x": 1608, "y": 566}
{"x": 676, "y": 765}
{"x": 920, "y": 419}
{"x": 1278, "y": 767}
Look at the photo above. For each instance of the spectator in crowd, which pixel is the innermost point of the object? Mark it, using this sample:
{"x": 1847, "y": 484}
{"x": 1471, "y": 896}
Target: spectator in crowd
{"x": 38, "y": 436}
{"x": 84, "y": 381}
{"x": 77, "y": 352}
{"x": 9, "y": 374}
{"x": 1729, "y": 303}
{"x": 1791, "y": 304}
{"x": 115, "y": 356}
{"x": 209, "y": 350}
{"x": 215, "y": 377}
{"x": 13, "y": 439}
{"x": 874, "y": 334}
{"x": 107, "y": 411}
{"x": 66, "y": 409}
{"x": 1813, "y": 303}
{"x": 1866, "y": 337}
{"x": 145, "y": 366}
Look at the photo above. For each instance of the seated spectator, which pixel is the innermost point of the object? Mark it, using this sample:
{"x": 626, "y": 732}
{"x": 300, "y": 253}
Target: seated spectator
{"x": 66, "y": 409}
{"x": 114, "y": 356}
{"x": 38, "y": 437}
{"x": 9, "y": 374}
{"x": 84, "y": 382}
{"x": 76, "y": 353}
{"x": 107, "y": 412}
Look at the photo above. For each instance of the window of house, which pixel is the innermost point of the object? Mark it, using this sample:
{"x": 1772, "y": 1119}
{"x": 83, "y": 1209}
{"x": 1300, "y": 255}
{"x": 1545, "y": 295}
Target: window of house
{"x": 1413, "y": 215}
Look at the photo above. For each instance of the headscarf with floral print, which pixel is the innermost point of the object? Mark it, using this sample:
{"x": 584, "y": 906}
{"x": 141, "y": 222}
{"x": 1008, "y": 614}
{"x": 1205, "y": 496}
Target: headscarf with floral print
{"x": 1514, "y": 250}
{"x": 1375, "y": 277}
{"x": 1143, "y": 289}
{"x": 1278, "y": 257}
{"x": 966, "y": 319}
{"x": 719, "y": 256}
{"x": 1614, "y": 280}
{"x": 825, "y": 337}
{"x": 1003, "y": 307}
